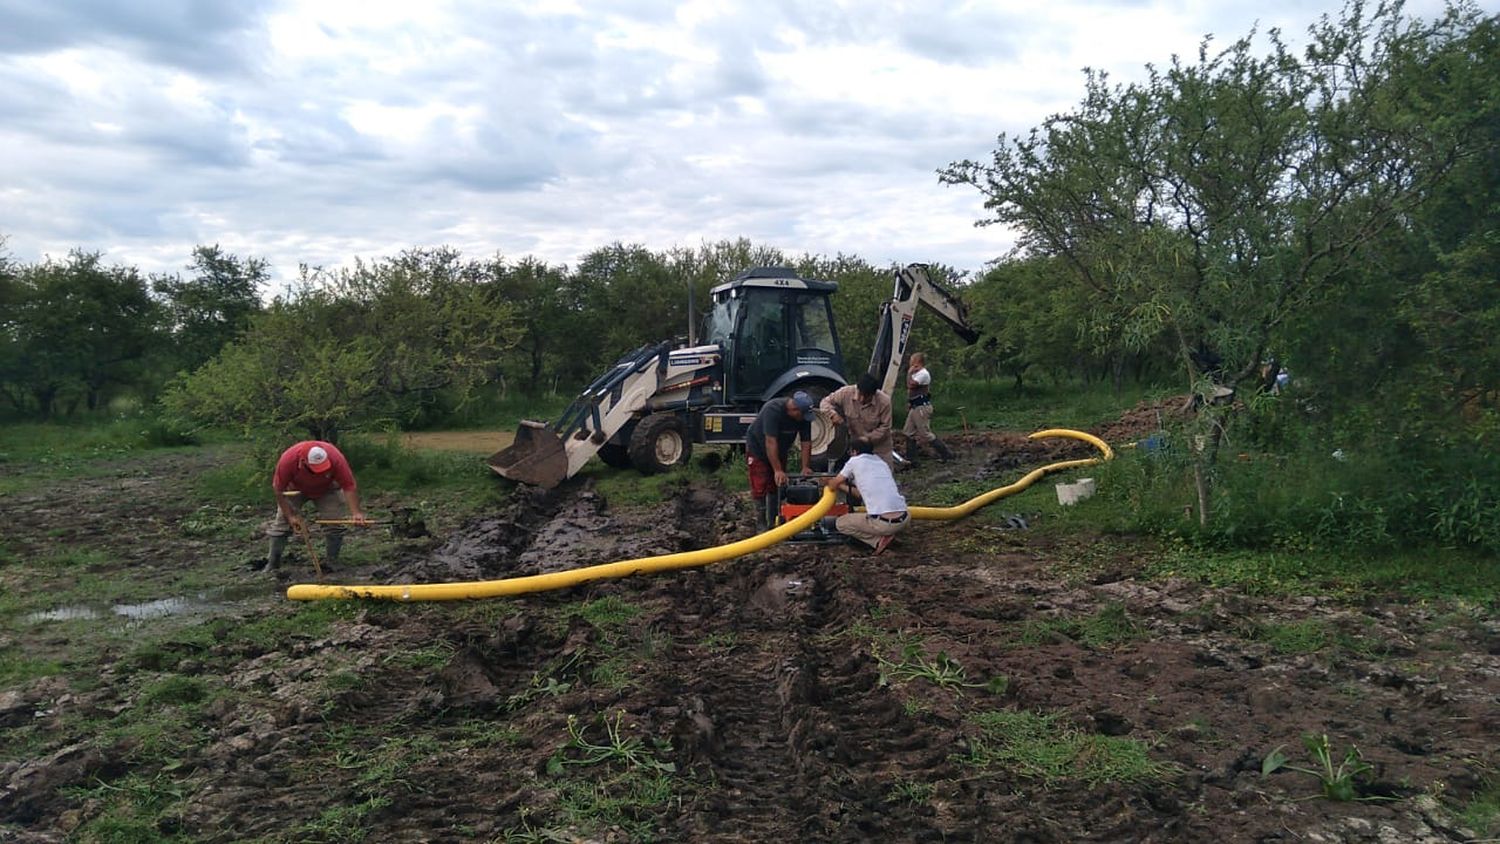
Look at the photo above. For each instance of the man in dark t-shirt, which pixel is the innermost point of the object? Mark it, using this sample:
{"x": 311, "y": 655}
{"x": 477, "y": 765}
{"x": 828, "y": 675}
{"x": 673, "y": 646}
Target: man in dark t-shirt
{"x": 780, "y": 422}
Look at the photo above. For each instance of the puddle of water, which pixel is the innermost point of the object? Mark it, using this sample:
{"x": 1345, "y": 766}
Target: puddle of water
{"x": 63, "y": 614}
{"x": 160, "y": 608}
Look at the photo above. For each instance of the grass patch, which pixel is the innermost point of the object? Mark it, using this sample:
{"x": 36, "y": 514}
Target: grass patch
{"x": 611, "y": 780}
{"x": 174, "y": 691}
{"x": 17, "y": 668}
{"x": 306, "y": 621}
{"x": 629, "y": 488}
{"x": 137, "y": 808}
{"x": 1109, "y": 626}
{"x": 913, "y": 792}
{"x": 1481, "y": 812}
{"x": 72, "y": 558}
{"x": 67, "y": 443}
{"x": 1421, "y": 573}
{"x": 942, "y": 671}
{"x": 1296, "y": 637}
{"x": 1042, "y": 747}
{"x": 606, "y": 613}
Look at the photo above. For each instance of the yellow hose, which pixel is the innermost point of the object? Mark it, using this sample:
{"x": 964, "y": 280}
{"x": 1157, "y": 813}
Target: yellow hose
{"x": 958, "y": 511}
{"x": 572, "y": 577}
{"x": 687, "y": 559}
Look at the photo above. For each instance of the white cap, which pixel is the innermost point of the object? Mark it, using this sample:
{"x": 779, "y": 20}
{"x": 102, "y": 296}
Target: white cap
{"x": 317, "y": 457}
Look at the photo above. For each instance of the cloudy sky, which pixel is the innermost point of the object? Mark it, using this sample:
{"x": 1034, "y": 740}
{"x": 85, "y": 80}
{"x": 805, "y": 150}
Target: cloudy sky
{"x": 313, "y": 131}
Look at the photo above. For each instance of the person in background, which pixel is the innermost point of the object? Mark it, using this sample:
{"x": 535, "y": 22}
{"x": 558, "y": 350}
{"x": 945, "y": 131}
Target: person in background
{"x": 311, "y": 471}
{"x": 918, "y": 429}
{"x": 885, "y": 509}
{"x": 781, "y": 421}
{"x": 867, "y": 412}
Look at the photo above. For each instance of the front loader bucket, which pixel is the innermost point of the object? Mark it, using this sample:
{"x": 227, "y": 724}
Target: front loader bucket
{"x": 536, "y": 457}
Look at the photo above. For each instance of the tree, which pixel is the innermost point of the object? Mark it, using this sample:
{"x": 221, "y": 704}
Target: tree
{"x": 1218, "y": 198}
{"x": 212, "y": 306}
{"x": 358, "y": 348}
{"x": 75, "y": 330}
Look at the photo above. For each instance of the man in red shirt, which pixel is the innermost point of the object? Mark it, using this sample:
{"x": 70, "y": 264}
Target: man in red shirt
{"x": 311, "y": 471}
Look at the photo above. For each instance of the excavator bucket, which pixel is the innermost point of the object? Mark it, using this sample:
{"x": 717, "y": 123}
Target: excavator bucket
{"x": 536, "y": 457}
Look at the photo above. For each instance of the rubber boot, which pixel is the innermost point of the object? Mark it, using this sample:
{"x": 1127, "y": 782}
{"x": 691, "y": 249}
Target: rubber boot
{"x": 772, "y": 510}
{"x": 945, "y": 453}
{"x": 760, "y": 515}
{"x": 274, "y": 552}
{"x": 331, "y": 550}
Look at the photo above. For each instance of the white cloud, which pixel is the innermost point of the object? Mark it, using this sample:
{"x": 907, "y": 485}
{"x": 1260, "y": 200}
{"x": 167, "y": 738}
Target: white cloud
{"x": 314, "y": 131}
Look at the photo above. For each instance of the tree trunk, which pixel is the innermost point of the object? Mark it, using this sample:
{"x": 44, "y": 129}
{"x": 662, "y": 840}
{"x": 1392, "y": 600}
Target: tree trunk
{"x": 1203, "y": 465}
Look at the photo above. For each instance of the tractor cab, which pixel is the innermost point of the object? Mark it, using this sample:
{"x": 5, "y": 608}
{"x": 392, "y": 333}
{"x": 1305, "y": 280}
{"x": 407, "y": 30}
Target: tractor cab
{"x": 776, "y": 329}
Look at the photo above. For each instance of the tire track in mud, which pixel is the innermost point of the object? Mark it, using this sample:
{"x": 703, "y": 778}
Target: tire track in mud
{"x": 807, "y": 742}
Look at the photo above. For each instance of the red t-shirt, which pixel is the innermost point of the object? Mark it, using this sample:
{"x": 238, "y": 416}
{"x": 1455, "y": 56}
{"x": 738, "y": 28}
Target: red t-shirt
{"x": 292, "y": 471}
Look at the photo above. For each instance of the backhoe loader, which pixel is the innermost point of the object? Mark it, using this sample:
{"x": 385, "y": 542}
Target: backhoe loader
{"x": 769, "y": 333}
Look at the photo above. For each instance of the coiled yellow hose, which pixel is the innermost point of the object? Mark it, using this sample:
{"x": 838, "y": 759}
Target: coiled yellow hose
{"x": 473, "y": 590}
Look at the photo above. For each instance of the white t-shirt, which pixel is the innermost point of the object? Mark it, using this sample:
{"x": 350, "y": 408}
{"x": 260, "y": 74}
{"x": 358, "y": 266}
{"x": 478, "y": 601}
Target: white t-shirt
{"x": 876, "y": 484}
{"x": 922, "y": 376}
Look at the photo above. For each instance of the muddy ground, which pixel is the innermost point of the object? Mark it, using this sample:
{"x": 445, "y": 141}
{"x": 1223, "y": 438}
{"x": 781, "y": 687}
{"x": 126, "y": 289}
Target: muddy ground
{"x": 979, "y": 682}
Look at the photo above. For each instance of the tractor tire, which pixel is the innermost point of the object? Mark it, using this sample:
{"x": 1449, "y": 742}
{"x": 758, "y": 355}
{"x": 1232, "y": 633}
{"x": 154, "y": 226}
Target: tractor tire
{"x": 829, "y": 442}
{"x": 658, "y": 444}
{"x": 617, "y": 456}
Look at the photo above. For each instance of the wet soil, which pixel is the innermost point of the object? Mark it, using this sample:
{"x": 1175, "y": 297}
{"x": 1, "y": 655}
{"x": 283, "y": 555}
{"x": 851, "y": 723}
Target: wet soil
{"x": 762, "y": 687}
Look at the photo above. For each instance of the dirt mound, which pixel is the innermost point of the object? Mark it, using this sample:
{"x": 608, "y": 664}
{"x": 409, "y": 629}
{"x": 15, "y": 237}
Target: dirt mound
{"x": 1143, "y": 420}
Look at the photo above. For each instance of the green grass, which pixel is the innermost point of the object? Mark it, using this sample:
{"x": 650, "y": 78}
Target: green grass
{"x": 942, "y": 670}
{"x": 630, "y": 488}
{"x": 1296, "y": 637}
{"x": 87, "y": 439}
{"x": 609, "y": 779}
{"x": 608, "y": 612}
{"x": 1420, "y": 573}
{"x": 136, "y": 808}
{"x": 1481, "y": 812}
{"x": 1107, "y": 627}
{"x": 17, "y": 667}
{"x": 1042, "y": 747}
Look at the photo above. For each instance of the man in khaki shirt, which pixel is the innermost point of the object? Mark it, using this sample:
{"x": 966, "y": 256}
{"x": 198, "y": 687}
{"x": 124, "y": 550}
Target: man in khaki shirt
{"x": 867, "y": 412}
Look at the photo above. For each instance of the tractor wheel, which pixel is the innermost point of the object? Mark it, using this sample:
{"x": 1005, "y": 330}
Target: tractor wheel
{"x": 829, "y": 441}
{"x": 658, "y": 444}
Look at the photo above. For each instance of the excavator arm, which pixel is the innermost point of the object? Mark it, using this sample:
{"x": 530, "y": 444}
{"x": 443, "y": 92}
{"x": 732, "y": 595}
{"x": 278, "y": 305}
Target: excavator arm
{"x": 913, "y": 287}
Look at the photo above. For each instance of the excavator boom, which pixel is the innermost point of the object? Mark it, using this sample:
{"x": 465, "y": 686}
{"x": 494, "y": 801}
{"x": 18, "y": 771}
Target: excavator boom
{"x": 913, "y": 287}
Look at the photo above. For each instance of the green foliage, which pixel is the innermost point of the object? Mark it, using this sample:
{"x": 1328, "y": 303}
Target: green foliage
{"x": 212, "y": 307}
{"x": 1042, "y": 747}
{"x": 74, "y": 332}
{"x": 1340, "y": 781}
{"x": 359, "y": 348}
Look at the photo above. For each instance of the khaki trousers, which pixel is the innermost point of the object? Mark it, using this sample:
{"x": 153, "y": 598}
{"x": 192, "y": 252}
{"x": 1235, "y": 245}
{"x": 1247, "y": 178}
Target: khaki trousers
{"x": 919, "y": 424}
{"x": 330, "y": 506}
{"x": 867, "y": 528}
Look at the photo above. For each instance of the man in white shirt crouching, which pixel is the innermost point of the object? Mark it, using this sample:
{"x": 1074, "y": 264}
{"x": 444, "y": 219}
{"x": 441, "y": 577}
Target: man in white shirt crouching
{"x": 885, "y": 510}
